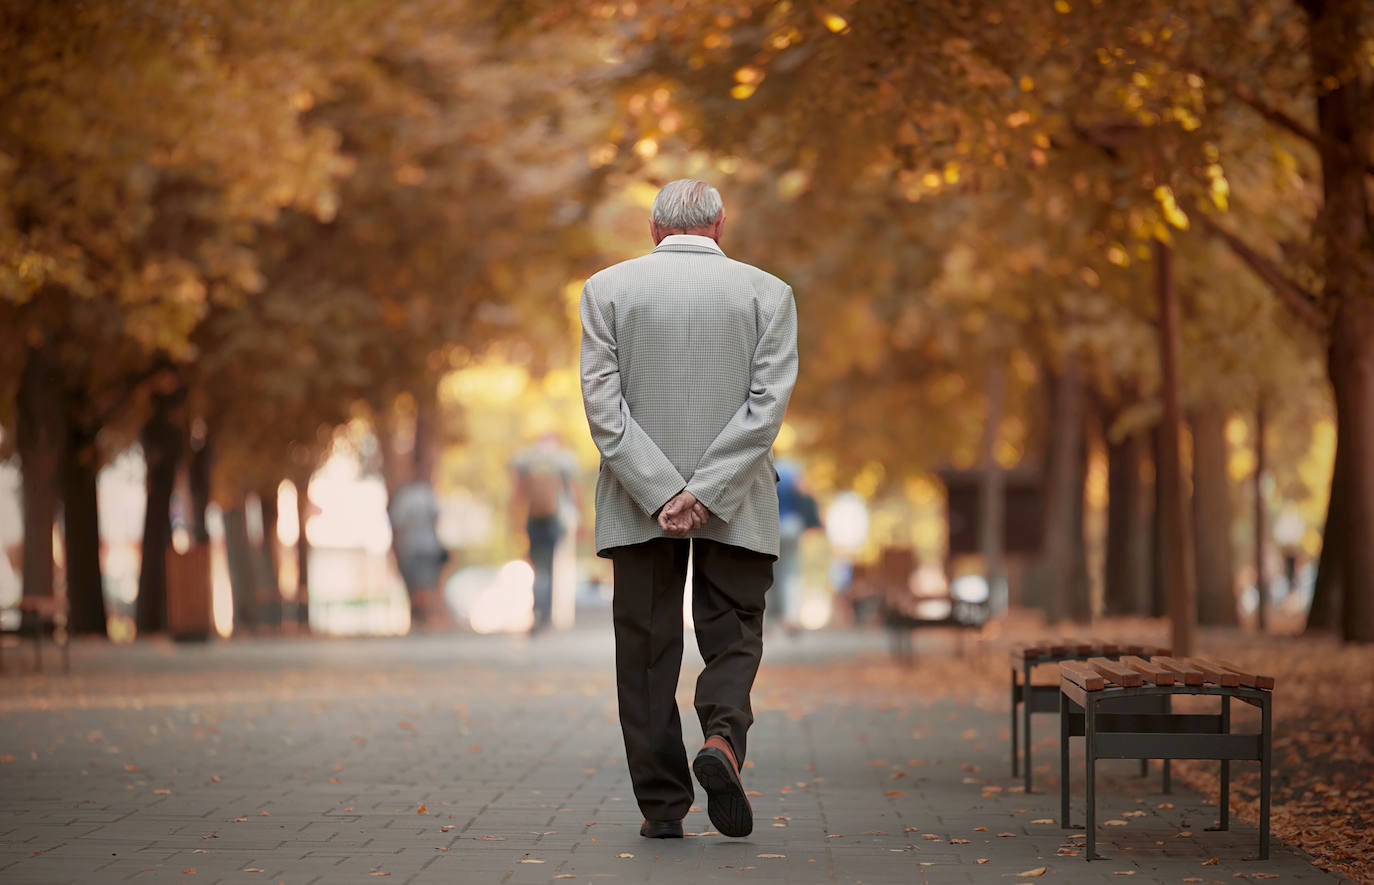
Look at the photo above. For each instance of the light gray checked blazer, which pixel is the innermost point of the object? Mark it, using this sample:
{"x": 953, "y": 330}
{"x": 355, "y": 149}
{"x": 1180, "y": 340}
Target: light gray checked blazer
{"x": 688, "y": 360}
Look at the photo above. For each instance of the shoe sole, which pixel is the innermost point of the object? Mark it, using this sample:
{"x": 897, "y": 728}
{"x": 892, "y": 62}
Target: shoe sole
{"x": 668, "y": 834}
{"x": 726, "y": 804}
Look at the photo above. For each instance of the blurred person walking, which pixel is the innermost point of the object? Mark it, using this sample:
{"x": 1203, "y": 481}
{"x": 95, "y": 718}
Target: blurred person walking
{"x": 798, "y": 513}
{"x": 545, "y": 480}
{"x": 420, "y": 555}
{"x": 688, "y": 361}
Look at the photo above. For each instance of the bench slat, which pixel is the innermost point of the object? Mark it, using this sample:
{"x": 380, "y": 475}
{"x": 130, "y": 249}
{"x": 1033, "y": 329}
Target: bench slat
{"x": 1114, "y": 671}
{"x": 1214, "y": 672}
{"x": 1158, "y": 675}
{"x": 1082, "y": 675}
{"x": 1190, "y": 675}
{"x": 1247, "y": 677}
{"x": 1103, "y": 647}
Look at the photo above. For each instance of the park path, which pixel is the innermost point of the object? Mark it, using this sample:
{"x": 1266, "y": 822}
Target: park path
{"x": 477, "y": 759}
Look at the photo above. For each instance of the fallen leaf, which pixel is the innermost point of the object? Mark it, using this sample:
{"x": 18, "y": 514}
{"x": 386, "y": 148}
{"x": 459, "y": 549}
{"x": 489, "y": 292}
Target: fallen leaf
{"x": 379, "y": 873}
{"x": 1006, "y": 835}
{"x": 240, "y": 820}
{"x": 1114, "y": 822}
{"x": 1133, "y": 814}
{"x": 254, "y": 870}
{"x": 1211, "y": 861}
{"x": 1043, "y": 820}
{"x": 772, "y": 855}
{"x": 624, "y": 854}
{"x": 189, "y": 871}
{"x": 752, "y": 793}
{"x": 532, "y": 860}
{"x": 982, "y": 860}
{"x": 1185, "y": 834}
{"x": 264, "y": 814}
{"x": 980, "y": 829}
{"x": 490, "y": 838}
{"x": 1123, "y": 872}
{"x": 958, "y": 841}
{"x": 931, "y": 836}
{"x": 1038, "y": 871}
{"x": 131, "y": 768}
{"x": 445, "y": 828}
{"x": 894, "y": 794}
{"x": 422, "y": 809}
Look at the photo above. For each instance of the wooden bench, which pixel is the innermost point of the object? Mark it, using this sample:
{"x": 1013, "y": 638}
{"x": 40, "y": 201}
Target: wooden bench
{"x": 41, "y": 615}
{"x": 1089, "y": 688}
{"x": 903, "y": 611}
{"x": 1028, "y": 697}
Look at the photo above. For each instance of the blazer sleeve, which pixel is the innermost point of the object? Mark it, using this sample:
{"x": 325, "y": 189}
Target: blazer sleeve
{"x": 749, "y": 435}
{"x": 635, "y": 459}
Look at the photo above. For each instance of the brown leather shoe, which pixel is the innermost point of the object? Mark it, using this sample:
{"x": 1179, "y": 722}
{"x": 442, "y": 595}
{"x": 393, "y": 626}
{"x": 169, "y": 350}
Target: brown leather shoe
{"x": 718, "y": 773}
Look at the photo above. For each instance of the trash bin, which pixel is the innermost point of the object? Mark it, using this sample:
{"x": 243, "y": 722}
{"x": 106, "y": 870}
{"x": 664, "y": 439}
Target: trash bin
{"x": 189, "y": 615}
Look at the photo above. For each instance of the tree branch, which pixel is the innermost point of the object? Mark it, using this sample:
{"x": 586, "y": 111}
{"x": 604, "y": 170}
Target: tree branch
{"x": 1304, "y": 304}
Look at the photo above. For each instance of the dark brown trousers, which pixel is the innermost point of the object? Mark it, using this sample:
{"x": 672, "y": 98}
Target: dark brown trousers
{"x": 728, "y": 587}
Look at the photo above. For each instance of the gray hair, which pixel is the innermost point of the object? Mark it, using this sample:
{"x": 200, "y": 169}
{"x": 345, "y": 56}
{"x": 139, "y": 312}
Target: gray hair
{"x": 685, "y": 204}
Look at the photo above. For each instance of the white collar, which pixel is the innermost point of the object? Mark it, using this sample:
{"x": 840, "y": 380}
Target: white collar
{"x": 691, "y": 240}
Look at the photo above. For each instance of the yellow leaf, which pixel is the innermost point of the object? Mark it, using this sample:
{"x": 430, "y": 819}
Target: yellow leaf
{"x": 835, "y": 23}
{"x": 1038, "y": 871}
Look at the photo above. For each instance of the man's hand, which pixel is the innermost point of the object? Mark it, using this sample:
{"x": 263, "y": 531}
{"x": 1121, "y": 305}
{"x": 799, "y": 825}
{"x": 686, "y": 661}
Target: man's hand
{"x": 681, "y": 514}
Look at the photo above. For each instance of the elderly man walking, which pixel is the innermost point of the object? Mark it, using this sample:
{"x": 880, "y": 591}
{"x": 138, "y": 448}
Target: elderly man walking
{"x": 688, "y": 360}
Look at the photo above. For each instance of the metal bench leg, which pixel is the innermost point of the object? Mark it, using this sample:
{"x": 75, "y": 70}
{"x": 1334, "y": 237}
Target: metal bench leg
{"x": 1026, "y": 723}
{"x": 1266, "y": 752}
{"x": 37, "y": 644}
{"x": 1144, "y": 767}
{"x": 1063, "y": 761}
{"x": 1090, "y": 764}
{"x": 1224, "y": 800}
{"x": 1166, "y": 785}
{"x": 1015, "y": 695}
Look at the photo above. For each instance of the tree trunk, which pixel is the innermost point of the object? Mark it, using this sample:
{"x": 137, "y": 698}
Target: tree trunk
{"x": 41, "y": 435}
{"x": 1062, "y": 571}
{"x": 1325, "y": 613}
{"x": 1128, "y": 529}
{"x": 242, "y": 581}
{"x": 992, "y": 491}
{"x": 1178, "y": 537}
{"x": 302, "y": 483}
{"x": 1351, "y": 363}
{"x": 1216, "y": 601}
{"x": 1159, "y": 532}
{"x": 269, "y": 583}
{"x": 163, "y": 441}
{"x": 81, "y": 531}
{"x": 199, "y": 483}
{"x": 1261, "y": 525}
{"x": 1336, "y": 49}
{"x": 427, "y": 444}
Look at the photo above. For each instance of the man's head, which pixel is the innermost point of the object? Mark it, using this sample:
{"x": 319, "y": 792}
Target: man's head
{"x": 687, "y": 206}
